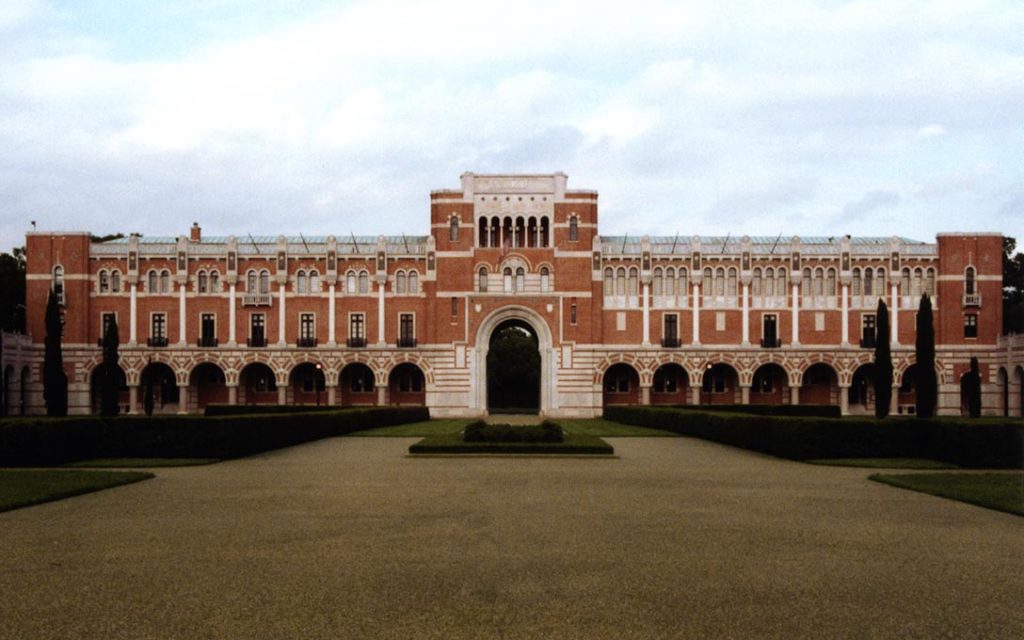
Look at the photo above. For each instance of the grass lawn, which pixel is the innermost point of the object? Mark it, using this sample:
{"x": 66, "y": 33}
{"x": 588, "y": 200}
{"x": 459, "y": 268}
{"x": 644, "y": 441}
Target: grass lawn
{"x": 138, "y": 463}
{"x": 453, "y": 443}
{"x": 598, "y": 427}
{"x": 607, "y": 429}
{"x": 884, "y": 463}
{"x": 25, "y": 487}
{"x": 999, "y": 491}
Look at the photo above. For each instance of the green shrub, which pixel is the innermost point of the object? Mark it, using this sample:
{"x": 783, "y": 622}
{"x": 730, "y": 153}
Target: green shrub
{"x": 996, "y": 444}
{"x": 480, "y": 431}
{"x": 802, "y": 410}
{"x": 55, "y": 441}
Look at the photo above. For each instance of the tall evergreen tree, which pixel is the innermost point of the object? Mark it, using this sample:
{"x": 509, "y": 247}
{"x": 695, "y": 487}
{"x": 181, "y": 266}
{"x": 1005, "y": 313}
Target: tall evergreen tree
{"x": 147, "y": 400}
{"x": 110, "y": 388}
{"x": 55, "y": 381}
{"x": 972, "y": 387}
{"x": 926, "y": 382}
{"x": 882, "y": 371}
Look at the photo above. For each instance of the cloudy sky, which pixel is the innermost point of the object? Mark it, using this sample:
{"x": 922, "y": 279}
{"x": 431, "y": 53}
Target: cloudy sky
{"x": 808, "y": 118}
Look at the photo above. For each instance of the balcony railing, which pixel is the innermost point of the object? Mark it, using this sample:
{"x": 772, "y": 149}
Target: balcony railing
{"x": 867, "y": 343}
{"x": 771, "y": 343}
{"x": 207, "y": 341}
{"x": 305, "y": 343}
{"x": 256, "y": 341}
{"x": 670, "y": 342}
{"x": 356, "y": 343}
{"x": 157, "y": 342}
{"x": 972, "y": 299}
{"x": 406, "y": 343}
{"x": 256, "y": 300}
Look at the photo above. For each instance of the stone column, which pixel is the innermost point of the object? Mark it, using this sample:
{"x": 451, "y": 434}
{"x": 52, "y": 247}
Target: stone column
{"x": 846, "y": 314}
{"x": 133, "y": 399}
{"x": 895, "y": 314}
{"x": 894, "y": 402}
{"x": 282, "y": 394}
{"x": 380, "y": 313}
{"x": 744, "y": 394}
{"x": 796, "y": 314}
{"x": 281, "y": 327}
{"x": 133, "y": 313}
{"x": 844, "y": 399}
{"x": 746, "y": 315}
{"x": 794, "y": 394}
{"x": 330, "y": 316}
{"x": 382, "y": 396}
{"x": 695, "y": 395}
{"x": 232, "y": 394}
{"x": 647, "y": 314}
{"x": 645, "y": 395}
{"x": 332, "y": 394}
{"x": 696, "y": 314}
{"x": 182, "y": 398}
{"x": 231, "y": 315}
{"x": 182, "y": 339}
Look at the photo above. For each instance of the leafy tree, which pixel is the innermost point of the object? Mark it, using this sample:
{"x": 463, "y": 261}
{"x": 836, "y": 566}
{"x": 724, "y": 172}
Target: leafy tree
{"x": 1013, "y": 287}
{"x": 12, "y": 290}
{"x": 513, "y": 369}
{"x": 971, "y": 386}
{"x": 55, "y": 381}
{"x": 110, "y": 385}
{"x": 926, "y": 382}
{"x": 106, "y": 238}
{"x": 882, "y": 371}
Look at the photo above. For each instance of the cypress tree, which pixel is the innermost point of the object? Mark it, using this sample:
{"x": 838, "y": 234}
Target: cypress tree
{"x": 882, "y": 371}
{"x": 110, "y": 388}
{"x": 55, "y": 382}
{"x": 926, "y": 382}
{"x": 147, "y": 400}
{"x": 973, "y": 380}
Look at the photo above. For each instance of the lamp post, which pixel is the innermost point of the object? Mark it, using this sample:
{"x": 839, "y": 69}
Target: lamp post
{"x": 316, "y": 382}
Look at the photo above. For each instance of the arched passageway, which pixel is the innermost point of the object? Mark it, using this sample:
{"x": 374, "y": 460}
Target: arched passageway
{"x": 906, "y": 394}
{"x": 621, "y": 385}
{"x": 820, "y": 385}
{"x": 160, "y": 378}
{"x": 861, "y": 394}
{"x": 1003, "y": 385}
{"x": 1018, "y": 382}
{"x": 257, "y": 385}
{"x": 513, "y": 368}
{"x": 770, "y": 385}
{"x": 720, "y": 385}
{"x": 407, "y": 386}
{"x": 26, "y": 377}
{"x": 308, "y": 384}
{"x": 96, "y": 389}
{"x": 358, "y": 387}
{"x": 8, "y": 391}
{"x": 207, "y": 386}
{"x": 671, "y": 385}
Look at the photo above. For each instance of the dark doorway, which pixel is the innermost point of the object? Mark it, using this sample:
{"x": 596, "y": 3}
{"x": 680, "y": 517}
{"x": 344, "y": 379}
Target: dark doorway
{"x": 513, "y": 369}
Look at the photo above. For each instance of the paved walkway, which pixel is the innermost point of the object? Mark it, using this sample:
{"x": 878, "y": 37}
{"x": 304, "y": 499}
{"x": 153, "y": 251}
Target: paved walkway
{"x": 347, "y": 538}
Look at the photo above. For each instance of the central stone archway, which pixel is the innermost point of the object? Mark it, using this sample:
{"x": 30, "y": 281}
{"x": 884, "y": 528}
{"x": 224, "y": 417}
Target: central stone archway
{"x": 532, "y": 322}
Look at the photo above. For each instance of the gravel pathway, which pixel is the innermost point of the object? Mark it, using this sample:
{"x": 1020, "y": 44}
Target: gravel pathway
{"x": 348, "y": 538}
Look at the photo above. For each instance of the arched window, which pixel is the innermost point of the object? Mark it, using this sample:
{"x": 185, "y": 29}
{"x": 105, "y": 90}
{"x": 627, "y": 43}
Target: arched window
{"x": 520, "y": 279}
{"x": 830, "y": 282}
{"x": 905, "y": 282}
{"x": 520, "y": 232}
{"x": 544, "y": 231}
{"x": 152, "y": 282}
{"x": 806, "y": 290}
{"x": 670, "y": 282}
{"x": 531, "y": 231}
{"x": 400, "y": 282}
{"x": 730, "y": 289}
{"x": 707, "y": 286}
{"x": 620, "y": 281}
{"x": 483, "y": 232}
{"x": 769, "y": 282}
{"x": 506, "y": 277}
{"x": 350, "y": 282}
{"x": 414, "y": 282}
{"x": 682, "y": 284}
{"x": 495, "y": 232}
{"x": 658, "y": 282}
{"x": 301, "y": 284}
{"x": 720, "y": 282}
{"x": 880, "y": 282}
{"x": 201, "y": 282}
{"x": 104, "y": 281}
{"x": 314, "y": 282}
{"x": 364, "y": 282}
{"x": 264, "y": 281}
{"x": 780, "y": 282}
{"x": 929, "y": 282}
{"x": 856, "y": 282}
{"x": 453, "y": 229}
{"x": 819, "y": 284}
{"x": 545, "y": 279}
{"x": 755, "y": 283}
{"x": 574, "y": 229}
{"x": 609, "y": 282}
{"x": 115, "y": 282}
{"x": 869, "y": 284}
{"x": 969, "y": 281}
{"x": 250, "y": 282}
{"x": 634, "y": 281}
{"x": 482, "y": 280}
{"x": 214, "y": 281}
{"x": 165, "y": 281}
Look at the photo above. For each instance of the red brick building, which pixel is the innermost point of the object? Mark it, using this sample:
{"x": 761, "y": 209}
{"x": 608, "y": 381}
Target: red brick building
{"x": 409, "y": 319}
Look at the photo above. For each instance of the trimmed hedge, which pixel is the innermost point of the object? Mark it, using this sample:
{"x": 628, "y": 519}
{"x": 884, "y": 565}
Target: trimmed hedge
{"x": 989, "y": 445}
{"x": 262, "y": 409}
{"x": 55, "y": 441}
{"x": 795, "y": 410}
{"x": 480, "y": 431}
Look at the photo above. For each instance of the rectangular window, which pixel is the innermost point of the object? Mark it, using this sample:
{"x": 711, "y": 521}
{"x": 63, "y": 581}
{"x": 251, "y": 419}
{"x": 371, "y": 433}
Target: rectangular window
{"x": 257, "y": 326}
{"x": 671, "y": 330}
{"x": 455, "y": 308}
{"x": 159, "y": 329}
{"x": 307, "y": 326}
{"x": 356, "y": 326}
{"x": 572, "y": 311}
{"x": 406, "y": 330}
{"x": 867, "y": 339}
{"x": 105, "y": 321}
{"x": 770, "y": 330}
{"x": 207, "y": 330}
{"x": 971, "y": 325}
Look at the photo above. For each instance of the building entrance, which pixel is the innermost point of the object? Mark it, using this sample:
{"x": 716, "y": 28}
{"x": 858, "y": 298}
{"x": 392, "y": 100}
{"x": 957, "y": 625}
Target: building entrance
{"x": 513, "y": 369}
